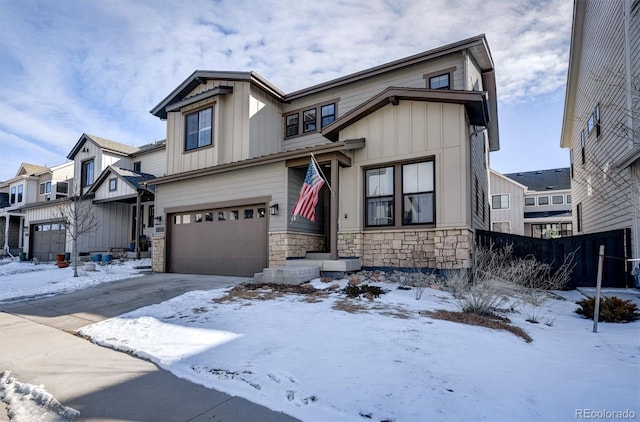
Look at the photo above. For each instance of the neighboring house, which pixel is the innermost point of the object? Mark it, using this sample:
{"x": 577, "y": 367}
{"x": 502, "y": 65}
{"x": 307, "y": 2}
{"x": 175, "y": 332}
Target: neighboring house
{"x": 534, "y": 203}
{"x": 105, "y": 174}
{"x": 601, "y": 117}
{"x": 31, "y": 184}
{"x": 404, "y": 146}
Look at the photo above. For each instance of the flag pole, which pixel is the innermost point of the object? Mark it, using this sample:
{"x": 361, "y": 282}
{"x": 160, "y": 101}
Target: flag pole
{"x": 322, "y": 174}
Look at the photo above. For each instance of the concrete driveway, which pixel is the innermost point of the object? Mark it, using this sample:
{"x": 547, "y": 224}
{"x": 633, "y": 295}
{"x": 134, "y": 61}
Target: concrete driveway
{"x": 38, "y": 346}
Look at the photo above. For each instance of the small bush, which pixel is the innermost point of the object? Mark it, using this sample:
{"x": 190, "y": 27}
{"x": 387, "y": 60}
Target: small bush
{"x": 612, "y": 309}
{"x": 365, "y": 289}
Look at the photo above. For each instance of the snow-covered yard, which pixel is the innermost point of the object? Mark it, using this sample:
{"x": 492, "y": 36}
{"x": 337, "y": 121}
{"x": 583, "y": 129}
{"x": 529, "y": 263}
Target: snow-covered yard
{"x": 322, "y": 356}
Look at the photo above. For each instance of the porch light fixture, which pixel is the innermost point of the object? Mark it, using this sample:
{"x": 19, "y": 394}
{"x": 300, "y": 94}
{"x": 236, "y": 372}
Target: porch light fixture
{"x": 274, "y": 209}
{"x": 158, "y": 218}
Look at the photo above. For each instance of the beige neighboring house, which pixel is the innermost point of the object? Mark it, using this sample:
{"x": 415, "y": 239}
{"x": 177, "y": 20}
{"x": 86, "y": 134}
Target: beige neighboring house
{"x": 532, "y": 203}
{"x": 601, "y": 125}
{"x": 32, "y": 183}
{"x": 109, "y": 175}
{"x": 404, "y": 146}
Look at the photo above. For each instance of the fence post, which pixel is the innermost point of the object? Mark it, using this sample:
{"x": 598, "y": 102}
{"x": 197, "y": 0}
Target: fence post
{"x": 596, "y": 309}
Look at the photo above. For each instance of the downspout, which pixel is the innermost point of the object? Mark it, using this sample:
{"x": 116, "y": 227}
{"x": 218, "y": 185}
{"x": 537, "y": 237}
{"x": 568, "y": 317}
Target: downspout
{"x": 5, "y": 247}
{"x": 333, "y": 218}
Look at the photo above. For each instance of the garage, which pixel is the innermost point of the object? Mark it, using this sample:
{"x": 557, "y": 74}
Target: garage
{"x": 47, "y": 241}
{"x": 222, "y": 241}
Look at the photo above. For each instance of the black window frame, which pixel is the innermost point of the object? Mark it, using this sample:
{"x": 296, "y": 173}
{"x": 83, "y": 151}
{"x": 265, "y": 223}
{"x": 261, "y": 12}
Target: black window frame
{"x": 441, "y": 75}
{"x": 596, "y": 114}
{"x": 20, "y": 193}
{"x": 115, "y": 184}
{"x": 398, "y": 196}
{"x": 323, "y": 115}
{"x": 87, "y": 177}
{"x": 12, "y": 198}
{"x": 151, "y": 210}
{"x": 582, "y": 152}
{"x": 137, "y": 166}
{"x": 189, "y": 135}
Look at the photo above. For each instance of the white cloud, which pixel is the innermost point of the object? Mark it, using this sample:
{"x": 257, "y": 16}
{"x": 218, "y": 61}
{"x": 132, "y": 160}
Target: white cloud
{"x": 99, "y": 67}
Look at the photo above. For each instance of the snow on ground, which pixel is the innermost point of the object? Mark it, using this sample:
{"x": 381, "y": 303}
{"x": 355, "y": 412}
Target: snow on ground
{"x": 23, "y": 280}
{"x": 384, "y": 360}
{"x": 28, "y": 402}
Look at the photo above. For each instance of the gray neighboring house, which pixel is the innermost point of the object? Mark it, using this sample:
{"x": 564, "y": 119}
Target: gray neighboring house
{"x": 601, "y": 125}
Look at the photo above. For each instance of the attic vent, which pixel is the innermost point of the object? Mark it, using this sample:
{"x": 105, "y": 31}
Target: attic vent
{"x": 558, "y": 170}
{"x": 538, "y": 172}
{"x": 551, "y": 187}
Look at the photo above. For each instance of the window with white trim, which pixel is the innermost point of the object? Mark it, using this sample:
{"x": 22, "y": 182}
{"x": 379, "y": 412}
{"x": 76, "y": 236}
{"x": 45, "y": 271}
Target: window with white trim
{"x": 500, "y": 202}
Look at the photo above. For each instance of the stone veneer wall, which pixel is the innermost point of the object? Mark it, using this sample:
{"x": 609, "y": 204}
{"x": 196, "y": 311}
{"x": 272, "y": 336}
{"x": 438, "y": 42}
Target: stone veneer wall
{"x": 157, "y": 254}
{"x": 431, "y": 248}
{"x": 283, "y": 245}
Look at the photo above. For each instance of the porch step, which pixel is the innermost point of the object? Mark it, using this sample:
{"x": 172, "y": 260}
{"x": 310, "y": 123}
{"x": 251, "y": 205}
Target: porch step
{"x": 318, "y": 255}
{"x": 343, "y": 265}
{"x": 287, "y": 275}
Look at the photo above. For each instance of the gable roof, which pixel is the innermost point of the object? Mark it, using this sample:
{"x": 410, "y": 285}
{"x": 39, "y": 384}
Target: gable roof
{"x": 477, "y": 46}
{"x": 133, "y": 178}
{"x": 543, "y": 180}
{"x": 104, "y": 144}
{"x": 27, "y": 169}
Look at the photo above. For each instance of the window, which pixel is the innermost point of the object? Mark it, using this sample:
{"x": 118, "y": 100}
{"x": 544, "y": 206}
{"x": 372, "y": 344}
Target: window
{"x": 501, "y": 226}
{"x": 543, "y": 200}
{"x": 379, "y": 196}
{"x": 579, "y": 217}
{"x": 571, "y": 161}
{"x": 45, "y": 188}
{"x": 582, "y": 146}
{"x": 596, "y": 113}
{"x": 113, "y": 185}
{"x": 417, "y": 193}
{"x": 309, "y": 121}
{"x": 411, "y": 195}
{"x": 328, "y": 114}
{"x": 248, "y": 214}
{"x": 569, "y": 199}
{"x": 20, "y": 192}
{"x": 440, "y": 81}
{"x": 137, "y": 166}
{"x": 292, "y": 125}
{"x": 199, "y": 129}
{"x": 13, "y": 195}
{"x": 557, "y": 199}
{"x": 500, "y": 202}
{"x": 152, "y": 215}
{"x": 208, "y": 216}
{"x": 198, "y": 218}
{"x": 87, "y": 173}
{"x": 484, "y": 208}
{"x": 590, "y": 124}
{"x": 477, "y": 196}
{"x": 529, "y": 201}
{"x": 566, "y": 229}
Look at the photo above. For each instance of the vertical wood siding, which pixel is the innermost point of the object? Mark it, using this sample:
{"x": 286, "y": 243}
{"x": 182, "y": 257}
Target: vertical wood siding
{"x": 265, "y": 124}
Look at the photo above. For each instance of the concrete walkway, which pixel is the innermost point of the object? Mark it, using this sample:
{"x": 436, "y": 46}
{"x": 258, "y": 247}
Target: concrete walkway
{"x": 37, "y": 346}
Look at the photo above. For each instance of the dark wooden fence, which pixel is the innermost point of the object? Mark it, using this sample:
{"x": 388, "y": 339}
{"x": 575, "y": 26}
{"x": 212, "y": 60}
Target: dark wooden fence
{"x": 616, "y": 272}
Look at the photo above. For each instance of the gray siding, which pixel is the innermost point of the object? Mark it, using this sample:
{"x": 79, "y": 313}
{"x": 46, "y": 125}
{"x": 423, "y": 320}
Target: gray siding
{"x": 265, "y": 124}
{"x": 501, "y": 185}
{"x": 294, "y": 183}
{"x": 481, "y": 211}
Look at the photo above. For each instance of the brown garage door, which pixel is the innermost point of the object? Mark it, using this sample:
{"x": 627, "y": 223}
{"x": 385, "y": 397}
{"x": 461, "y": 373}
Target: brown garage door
{"x": 225, "y": 241}
{"x": 47, "y": 241}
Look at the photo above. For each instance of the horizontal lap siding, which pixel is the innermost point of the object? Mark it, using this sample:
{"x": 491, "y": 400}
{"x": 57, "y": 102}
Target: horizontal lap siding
{"x": 240, "y": 184}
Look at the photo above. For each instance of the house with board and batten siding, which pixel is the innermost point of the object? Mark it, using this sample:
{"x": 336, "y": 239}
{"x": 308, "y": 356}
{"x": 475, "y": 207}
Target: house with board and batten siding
{"x": 404, "y": 147}
{"x": 601, "y": 125}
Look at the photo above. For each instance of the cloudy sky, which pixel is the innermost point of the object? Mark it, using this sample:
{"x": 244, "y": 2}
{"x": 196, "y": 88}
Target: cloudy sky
{"x": 82, "y": 66}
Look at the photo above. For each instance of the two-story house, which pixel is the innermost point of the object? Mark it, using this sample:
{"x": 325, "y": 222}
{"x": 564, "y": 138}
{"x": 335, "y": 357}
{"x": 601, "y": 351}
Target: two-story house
{"x": 404, "y": 146}
{"x": 533, "y": 203}
{"x": 602, "y": 117}
{"x": 31, "y": 184}
{"x": 109, "y": 176}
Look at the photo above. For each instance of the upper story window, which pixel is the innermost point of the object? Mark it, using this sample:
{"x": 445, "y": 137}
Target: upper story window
{"x": 569, "y": 199}
{"x": 543, "y": 200}
{"x": 500, "y": 202}
{"x": 199, "y": 129}
{"x": 295, "y": 125}
{"x": 12, "y": 198}
{"x": 137, "y": 166}
{"x": 88, "y": 168}
{"x": 582, "y": 146}
{"x": 411, "y": 196}
{"x": 440, "y": 81}
{"x": 596, "y": 114}
{"x": 529, "y": 201}
{"x": 20, "y": 192}
{"x": 45, "y": 188}
{"x": 113, "y": 185}
{"x": 557, "y": 199}
{"x": 590, "y": 124}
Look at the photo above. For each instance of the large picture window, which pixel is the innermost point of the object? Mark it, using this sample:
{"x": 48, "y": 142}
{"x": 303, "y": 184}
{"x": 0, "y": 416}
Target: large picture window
{"x": 411, "y": 195}
{"x": 199, "y": 131}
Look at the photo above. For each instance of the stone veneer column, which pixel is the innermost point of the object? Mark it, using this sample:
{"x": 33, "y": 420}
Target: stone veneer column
{"x": 453, "y": 248}
{"x": 157, "y": 254}
{"x": 283, "y": 245}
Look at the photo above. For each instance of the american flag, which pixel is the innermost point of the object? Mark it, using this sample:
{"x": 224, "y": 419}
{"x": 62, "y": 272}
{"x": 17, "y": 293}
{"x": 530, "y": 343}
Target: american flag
{"x": 308, "y": 199}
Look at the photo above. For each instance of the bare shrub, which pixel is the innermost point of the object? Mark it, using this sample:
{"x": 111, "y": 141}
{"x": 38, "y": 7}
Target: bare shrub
{"x": 483, "y": 296}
